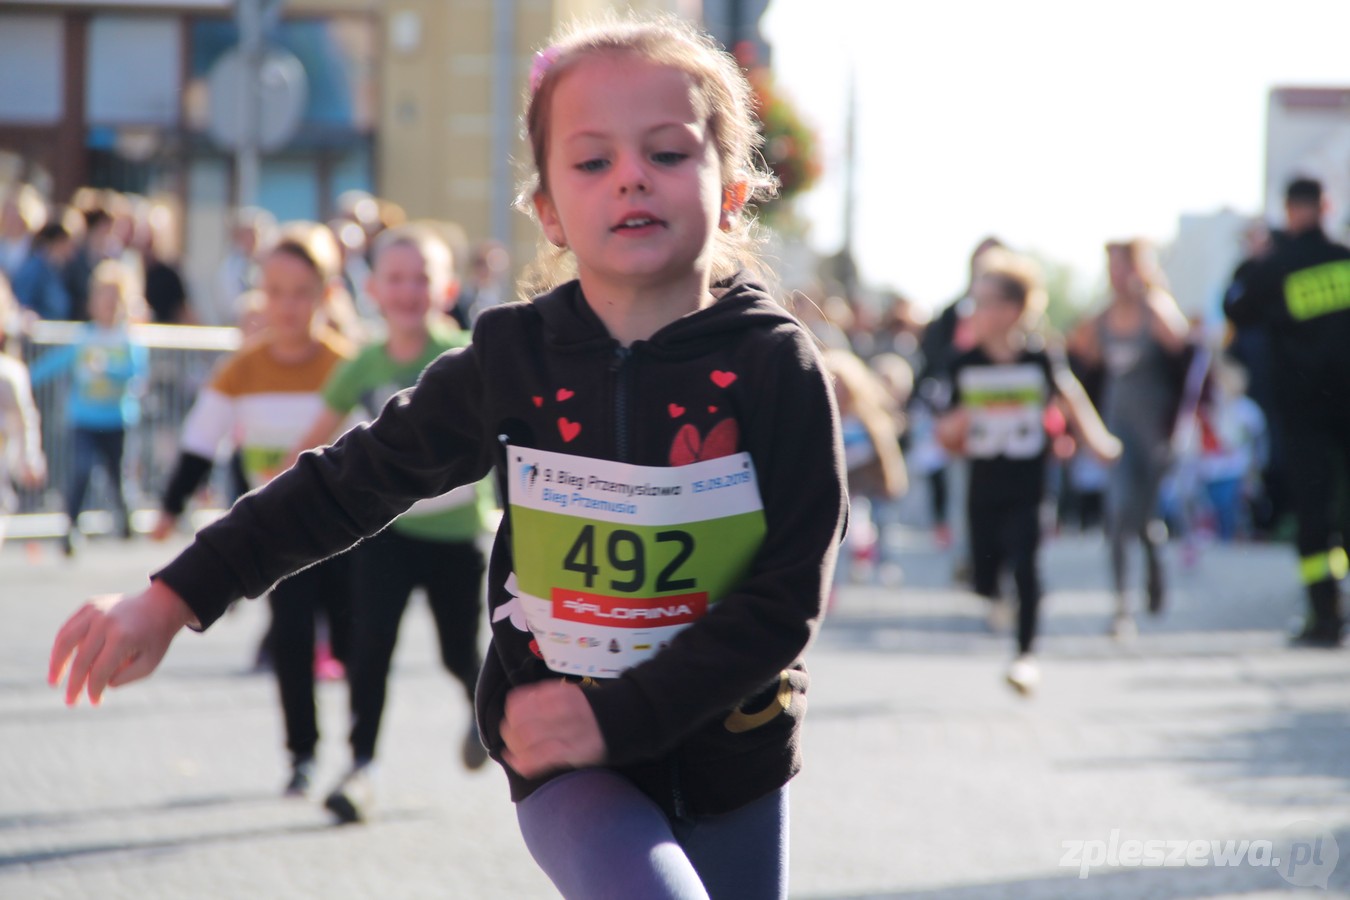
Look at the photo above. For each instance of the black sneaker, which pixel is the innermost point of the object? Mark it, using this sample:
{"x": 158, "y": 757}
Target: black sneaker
{"x": 302, "y": 778}
{"x": 353, "y": 800}
{"x": 1317, "y": 636}
{"x": 473, "y": 752}
{"x": 1156, "y": 591}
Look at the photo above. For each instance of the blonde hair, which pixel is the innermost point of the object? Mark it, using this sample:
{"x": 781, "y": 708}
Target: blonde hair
{"x": 315, "y": 245}
{"x": 1018, "y": 277}
{"x": 1143, "y": 259}
{"x": 113, "y": 273}
{"x": 868, "y": 397}
{"x": 425, "y": 240}
{"x": 312, "y": 244}
{"x": 723, "y": 98}
{"x": 28, "y": 204}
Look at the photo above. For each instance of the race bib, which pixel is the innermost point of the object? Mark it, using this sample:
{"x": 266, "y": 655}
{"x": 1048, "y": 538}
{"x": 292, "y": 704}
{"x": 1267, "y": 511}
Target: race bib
{"x": 613, "y": 560}
{"x": 1007, "y": 406}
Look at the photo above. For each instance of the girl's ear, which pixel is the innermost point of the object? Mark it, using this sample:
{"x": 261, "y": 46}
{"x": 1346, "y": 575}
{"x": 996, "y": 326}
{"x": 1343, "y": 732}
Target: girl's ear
{"x": 734, "y": 196}
{"x": 548, "y": 219}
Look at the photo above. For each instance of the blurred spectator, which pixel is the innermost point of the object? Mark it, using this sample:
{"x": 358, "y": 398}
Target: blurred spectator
{"x": 1232, "y": 448}
{"x": 107, "y": 368}
{"x": 944, "y": 339}
{"x": 835, "y": 323}
{"x": 98, "y": 245}
{"x": 22, "y": 213}
{"x": 21, "y": 456}
{"x": 165, "y": 291}
{"x": 38, "y": 284}
{"x": 128, "y": 213}
{"x": 252, "y": 321}
{"x": 876, "y": 469}
{"x": 488, "y": 284}
{"x": 896, "y": 377}
{"x": 351, "y": 239}
{"x": 251, "y": 229}
{"x": 901, "y": 328}
{"x": 1250, "y": 346}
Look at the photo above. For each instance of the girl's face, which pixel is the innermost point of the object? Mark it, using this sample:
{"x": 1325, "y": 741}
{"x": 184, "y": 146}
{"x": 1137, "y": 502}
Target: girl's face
{"x": 635, "y": 182}
{"x": 105, "y": 303}
{"x": 294, "y": 293}
{"x": 1121, "y": 270}
{"x": 403, "y": 284}
{"x": 994, "y": 316}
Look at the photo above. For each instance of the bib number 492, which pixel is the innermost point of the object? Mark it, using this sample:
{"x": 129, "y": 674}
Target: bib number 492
{"x": 625, "y": 553}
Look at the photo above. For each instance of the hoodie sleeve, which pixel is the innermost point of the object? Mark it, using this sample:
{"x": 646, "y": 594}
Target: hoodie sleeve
{"x": 428, "y": 440}
{"x": 760, "y": 629}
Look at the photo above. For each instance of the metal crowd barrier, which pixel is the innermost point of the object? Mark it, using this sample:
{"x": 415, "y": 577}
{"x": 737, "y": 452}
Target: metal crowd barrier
{"x": 181, "y": 358}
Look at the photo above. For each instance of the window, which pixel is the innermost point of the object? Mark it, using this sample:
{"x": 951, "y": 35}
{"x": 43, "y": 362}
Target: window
{"x": 134, "y": 70}
{"x": 32, "y": 49}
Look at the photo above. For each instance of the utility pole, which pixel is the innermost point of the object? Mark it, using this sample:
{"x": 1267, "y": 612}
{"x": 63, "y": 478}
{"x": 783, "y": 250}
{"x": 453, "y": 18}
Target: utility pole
{"x": 848, "y": 270}
{"x": 248, "y": 155}
{"x": 503, "y": 101}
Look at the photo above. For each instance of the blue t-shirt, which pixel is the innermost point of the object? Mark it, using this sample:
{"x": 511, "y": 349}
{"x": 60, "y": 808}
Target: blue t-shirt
{"x": 107, "y": 368}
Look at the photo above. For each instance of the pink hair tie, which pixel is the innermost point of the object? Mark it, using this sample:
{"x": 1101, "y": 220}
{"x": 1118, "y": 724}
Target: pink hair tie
{"x": 543, "y": 61}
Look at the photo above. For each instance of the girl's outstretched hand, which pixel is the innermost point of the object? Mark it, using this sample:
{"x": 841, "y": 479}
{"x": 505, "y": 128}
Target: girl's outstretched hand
{"x": 116, "y": 639}
{"x": 550, "y": 726}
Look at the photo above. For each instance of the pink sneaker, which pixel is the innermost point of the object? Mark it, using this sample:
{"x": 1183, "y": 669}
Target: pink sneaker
{"x": 326, "y": 666}
{"x": 942, "y": 536}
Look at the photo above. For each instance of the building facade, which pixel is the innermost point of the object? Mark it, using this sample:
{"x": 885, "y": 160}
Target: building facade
{"x": 417, "y": 101}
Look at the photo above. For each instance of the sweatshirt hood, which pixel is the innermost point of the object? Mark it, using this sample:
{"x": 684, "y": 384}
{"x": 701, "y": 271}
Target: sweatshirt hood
{"x": 571, "y": 326}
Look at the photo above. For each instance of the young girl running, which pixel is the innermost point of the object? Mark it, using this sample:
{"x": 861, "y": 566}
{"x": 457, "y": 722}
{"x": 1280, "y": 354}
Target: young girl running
{"x": 261, "y": 400}
{"x": 1000, "y": 391}
{"x": 670, "y": 451}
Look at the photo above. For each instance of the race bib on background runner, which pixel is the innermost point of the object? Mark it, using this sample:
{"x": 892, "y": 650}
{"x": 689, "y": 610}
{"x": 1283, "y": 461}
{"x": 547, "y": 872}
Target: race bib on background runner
{"x": 1007, "y": 409}
{"x": 613, "y": 560}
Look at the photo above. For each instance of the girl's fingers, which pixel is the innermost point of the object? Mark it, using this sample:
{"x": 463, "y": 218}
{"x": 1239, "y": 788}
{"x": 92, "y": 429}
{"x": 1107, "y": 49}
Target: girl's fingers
{"x": 90, "y": 647}
{"x": 113, "y": 659}
{"x": 66, "y": 641}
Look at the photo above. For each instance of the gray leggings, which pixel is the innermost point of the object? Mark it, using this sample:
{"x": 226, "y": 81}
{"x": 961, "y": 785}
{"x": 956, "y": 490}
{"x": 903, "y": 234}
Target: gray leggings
{"x": 597, "y": 836}
{"x": 1132, "y": 504}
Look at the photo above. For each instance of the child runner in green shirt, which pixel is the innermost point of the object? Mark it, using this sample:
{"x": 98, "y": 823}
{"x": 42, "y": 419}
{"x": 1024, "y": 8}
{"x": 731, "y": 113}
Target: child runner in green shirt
{"x": 434, "y": 544}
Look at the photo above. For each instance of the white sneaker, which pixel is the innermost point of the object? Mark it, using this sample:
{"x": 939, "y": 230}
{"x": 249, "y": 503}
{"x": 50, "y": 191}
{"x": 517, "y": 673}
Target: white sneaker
{"x": 1123, "y": 628}
{"x": 353, "y": 800}
{"x": 1024, "y": 675}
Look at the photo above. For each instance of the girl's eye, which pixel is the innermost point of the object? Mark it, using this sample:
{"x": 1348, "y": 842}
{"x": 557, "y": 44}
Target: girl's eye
{"x": 592, "y": 165}
{"x": 669, "y": 157}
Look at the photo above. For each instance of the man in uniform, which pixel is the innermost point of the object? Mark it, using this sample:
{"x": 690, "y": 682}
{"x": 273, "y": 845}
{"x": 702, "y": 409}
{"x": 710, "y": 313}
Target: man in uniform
{"x": 1300, "y": 293}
